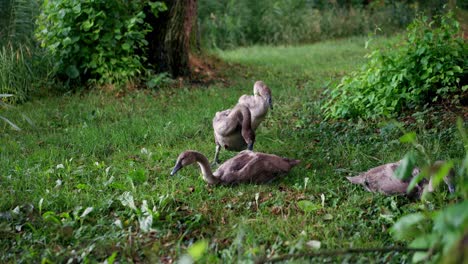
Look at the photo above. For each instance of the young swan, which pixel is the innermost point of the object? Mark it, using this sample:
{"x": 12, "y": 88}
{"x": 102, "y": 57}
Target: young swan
{"x": 258, "y": 104}
{"x": 233, "y": 130}
{"x": 381, "y": 179}
{"x": 230, "y": 126}
{"x": 245, "y": 167}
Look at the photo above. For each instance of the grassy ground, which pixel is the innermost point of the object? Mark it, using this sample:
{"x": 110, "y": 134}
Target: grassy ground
{"x": 83, "y": 182}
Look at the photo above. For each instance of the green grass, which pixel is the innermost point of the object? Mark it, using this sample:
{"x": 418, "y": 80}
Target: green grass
{"x": 92, "y": 150}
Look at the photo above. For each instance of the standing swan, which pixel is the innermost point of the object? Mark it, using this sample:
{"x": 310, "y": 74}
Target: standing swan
{"x": 233, "y": 130}
{"x": 381, "y": 179}
{"x": 246, "y": 167}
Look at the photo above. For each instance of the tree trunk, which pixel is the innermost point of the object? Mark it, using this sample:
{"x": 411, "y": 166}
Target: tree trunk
{"x": 169, "y": 41}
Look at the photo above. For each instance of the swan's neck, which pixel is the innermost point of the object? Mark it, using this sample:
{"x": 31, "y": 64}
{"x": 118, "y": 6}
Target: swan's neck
{"x": 246, "y": 117}
{"x": 206, "y": 170}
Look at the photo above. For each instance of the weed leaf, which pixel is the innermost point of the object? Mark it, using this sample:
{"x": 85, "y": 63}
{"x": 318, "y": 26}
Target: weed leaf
{"x": 404, "y": 171}
{"x": 197, "y": 250}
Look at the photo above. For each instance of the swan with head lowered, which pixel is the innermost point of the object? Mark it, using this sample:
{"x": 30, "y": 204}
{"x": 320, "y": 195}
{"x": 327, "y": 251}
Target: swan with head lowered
{"x": 234, "y": 129}
{"x": 381, "y": 179}
{"x": 258, "y": 103}
{"x": 245, "y": 167}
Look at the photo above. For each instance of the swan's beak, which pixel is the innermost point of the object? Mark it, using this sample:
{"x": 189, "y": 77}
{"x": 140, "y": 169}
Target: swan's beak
{"x": 449, "y": 181}
{"x": 176, "y": 168}
{"x": 250, "y": 146}
{"x": 451, "y": 188}
{"x": 270, "y": 102}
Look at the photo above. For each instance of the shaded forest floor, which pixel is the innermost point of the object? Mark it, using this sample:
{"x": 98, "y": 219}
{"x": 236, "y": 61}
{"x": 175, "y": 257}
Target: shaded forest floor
{"x": 90, "y": 180}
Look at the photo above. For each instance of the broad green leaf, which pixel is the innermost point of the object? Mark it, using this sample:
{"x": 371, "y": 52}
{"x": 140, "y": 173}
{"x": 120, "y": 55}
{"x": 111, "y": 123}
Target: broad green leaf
{"x": 111, "y": 258}
{"x": 420, "y": 256}
{"x": 415, "y": 180}
{"x": 197, "y": 250}
{"x": 404, "y": 228}
{"x": 408, "y": 137}
{"x": 51, "y": 216}
{"x": 328, "y": 217}
{"x": 82, "y": 186}
{"x": 443, "y": 171}
{"x": 67, "y": 41}
{"x": 452, "y": 217}
{"x": 77, "y": 8}
{"x": 405, "y": 170}
{"x": 87, "y": 25}
{"x": 126, "y": 46}
{"x": 72, "y": 72}
{"x": 307, "y": 206}
{"x": 424, "y": 241}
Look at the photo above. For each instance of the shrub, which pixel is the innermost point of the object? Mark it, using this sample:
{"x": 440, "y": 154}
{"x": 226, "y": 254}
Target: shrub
{"x": 427, "y": 68}
{"x": 95, "y": 41}
{"x": 442, "y": 232}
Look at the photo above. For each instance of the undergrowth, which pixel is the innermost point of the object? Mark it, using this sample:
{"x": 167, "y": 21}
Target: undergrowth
{"x": 430, "y": 66}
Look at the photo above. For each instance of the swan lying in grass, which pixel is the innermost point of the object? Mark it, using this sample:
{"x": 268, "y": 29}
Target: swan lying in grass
{"x": 382, "y": 179}
{"x": 245, "y": 167}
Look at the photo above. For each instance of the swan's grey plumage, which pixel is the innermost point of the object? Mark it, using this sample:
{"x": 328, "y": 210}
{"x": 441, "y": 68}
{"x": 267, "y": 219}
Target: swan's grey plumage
{"x": 231, "y": 129}
{"x": 381, "y": 179}
{"x": 258, "y": 103}
{"x": 245, "y": 167}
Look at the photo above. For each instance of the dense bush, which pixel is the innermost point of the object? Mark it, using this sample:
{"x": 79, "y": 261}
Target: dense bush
{"x": 426, "y": 68}
{"x": 95, "y": 41}
{"x": 227, "y": 24}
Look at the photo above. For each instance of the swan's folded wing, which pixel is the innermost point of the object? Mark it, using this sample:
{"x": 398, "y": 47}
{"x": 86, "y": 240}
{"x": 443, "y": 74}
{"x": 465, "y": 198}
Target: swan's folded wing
{"x": 223, "y": 123}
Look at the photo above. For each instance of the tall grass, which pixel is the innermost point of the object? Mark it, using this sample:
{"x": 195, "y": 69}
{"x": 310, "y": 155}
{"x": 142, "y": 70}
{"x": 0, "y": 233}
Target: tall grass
{"x": 17, "y": 21}
{"x": 23, "y": 66}
{"x": 16, "y": 75}
{"x": 228, "y": 24}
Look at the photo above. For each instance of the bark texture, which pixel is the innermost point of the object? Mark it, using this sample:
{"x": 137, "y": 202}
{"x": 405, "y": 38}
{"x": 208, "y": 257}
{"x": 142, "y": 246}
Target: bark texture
{"x": 169, "y": 41}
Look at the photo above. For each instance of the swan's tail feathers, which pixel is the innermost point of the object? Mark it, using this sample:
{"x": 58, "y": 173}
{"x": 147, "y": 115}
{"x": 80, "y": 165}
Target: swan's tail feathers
{"x": 357, "y": 179}
{"x": 293, "y": 162}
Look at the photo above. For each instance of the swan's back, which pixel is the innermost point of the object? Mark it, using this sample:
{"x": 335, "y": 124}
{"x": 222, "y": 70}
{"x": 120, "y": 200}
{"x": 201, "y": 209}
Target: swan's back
{"x": 253, "y": 167}
{"x": 257, "y": 106}
{"x": 220, "y": 121}
{"x": 381, "y": 179}
{"x": 232, "y": 128}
